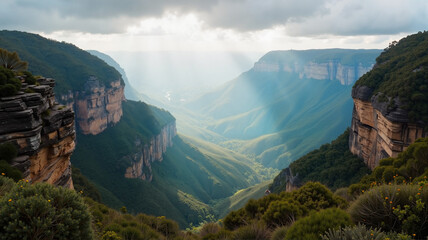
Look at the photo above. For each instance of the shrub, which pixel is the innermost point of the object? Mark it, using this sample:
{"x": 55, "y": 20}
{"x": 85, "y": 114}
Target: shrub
{"x": 357, "y": 232}
{"x": 8, "y": 152}
{"x": 42, "y": 211}
{"x": 235, "y": 219}
{"x": 393, "y": 208}
{"x": 29, "y": 78}
{"x": 7, "y": 90}
{"x": 209, "y": 228}
{"x": 6, "y": 184}
{"x": 223, "y": 234}
{"x": 283, "y": 212}
{"x": 279, "y": 233}
{"x": 317, "y": 223}
{"x": 9, "y": 171}
{"x": 315, "y": 196}
{"x": 252, "y": 231}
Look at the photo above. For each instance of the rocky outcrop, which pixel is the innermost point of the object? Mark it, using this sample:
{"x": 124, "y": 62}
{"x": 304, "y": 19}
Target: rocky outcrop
{"x": 379, "y": 128}
{"x": 149, "y": 152}
{"x": 97, "y": 106}
{"x": 285, "y": 181}
{"x": 42, "y": 131}
{"x": 329, "y": 70}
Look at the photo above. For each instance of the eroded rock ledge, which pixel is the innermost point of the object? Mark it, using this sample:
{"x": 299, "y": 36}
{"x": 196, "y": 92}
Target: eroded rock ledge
{"x": 379, "y": 130}
{"x": 147, "y": 153}
{"x": 42, "y": 131}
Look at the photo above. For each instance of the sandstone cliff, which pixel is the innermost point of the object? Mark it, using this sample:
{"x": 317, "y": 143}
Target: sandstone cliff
{"x": 42, "y": 131}
{"x": 97, "y": 106}
{"x": 380, "y": 129}
{"x": 150, "y": 152}
{"x": 328, "y": 70}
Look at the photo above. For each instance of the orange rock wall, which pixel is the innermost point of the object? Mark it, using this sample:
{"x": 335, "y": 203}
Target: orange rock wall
{"x": 373, "y": 136}
{"x": 98, "y": 107}
{"x": 150, "y": 152}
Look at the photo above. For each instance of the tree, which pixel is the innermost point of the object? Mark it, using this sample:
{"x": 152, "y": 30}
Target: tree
{"x": 42, "y": 211}
{"x": 11, "y": 60}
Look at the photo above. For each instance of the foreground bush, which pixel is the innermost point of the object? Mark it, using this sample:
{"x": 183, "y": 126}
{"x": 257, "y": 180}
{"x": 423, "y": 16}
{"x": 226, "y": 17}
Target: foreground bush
{"x": 317, "y": 223}
{"x": 360, "y": 231}
{"x": 283, "y": 209}
{"x": 252, "y": 231}
{"x": 42, "y": 211}
{"x": 394, "y": 208}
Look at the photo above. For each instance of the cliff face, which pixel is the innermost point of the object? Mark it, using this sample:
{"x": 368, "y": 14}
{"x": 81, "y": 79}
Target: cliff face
{"x": 97, "y": 106}
{"x": 378, "y": 129}
{"x": 150, "y": 152}
{"x": 330, "y": 70}
{"x": 42, "y": 131}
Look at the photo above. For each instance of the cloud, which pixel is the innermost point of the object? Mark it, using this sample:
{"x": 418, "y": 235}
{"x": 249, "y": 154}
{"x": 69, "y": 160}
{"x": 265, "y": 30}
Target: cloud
{"x": 297, "y": 17}
{"x": 365, "y": 17}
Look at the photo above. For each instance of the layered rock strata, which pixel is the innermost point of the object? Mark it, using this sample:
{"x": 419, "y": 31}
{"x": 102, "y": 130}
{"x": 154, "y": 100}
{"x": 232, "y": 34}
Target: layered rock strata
{"x": 149, "y": 152}
{"x": 97, "y": 106}
{"x": 329, "y": 70}
{"x": 380, "y": 129}
{"x": 42, "y": 131}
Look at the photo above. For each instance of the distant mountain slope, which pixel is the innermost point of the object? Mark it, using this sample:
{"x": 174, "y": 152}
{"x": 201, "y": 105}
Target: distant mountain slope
{"x": 287, "y": 98}
{"x": 69, "y": 65}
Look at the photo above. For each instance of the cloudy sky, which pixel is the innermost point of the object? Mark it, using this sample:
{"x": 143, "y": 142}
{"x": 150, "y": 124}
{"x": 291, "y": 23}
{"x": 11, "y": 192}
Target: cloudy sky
{"x": 217, "y": 25}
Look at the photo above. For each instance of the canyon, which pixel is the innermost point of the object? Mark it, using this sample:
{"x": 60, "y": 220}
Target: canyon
{"x": 42, "y": 131}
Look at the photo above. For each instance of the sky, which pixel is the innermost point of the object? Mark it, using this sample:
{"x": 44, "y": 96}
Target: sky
{"x": 217, "y": 25}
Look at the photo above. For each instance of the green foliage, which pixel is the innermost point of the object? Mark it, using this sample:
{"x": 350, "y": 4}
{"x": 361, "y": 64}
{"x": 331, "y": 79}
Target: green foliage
{"x": 317, "y": 223}
{"x": 8, "y": 171}
{"x": 361, "y": 231}
{"x": 410, "y": 165}
{"x": 42, "y": 211}
{"x": 402, "y": 71}
{"x": 84, "y": 186}
{"x": 68, "y": 64}
{"x": 315, "y": 196}
{"x": 282, "y": 213}
{"x": 111, "y": 224}
{"x": 11, "y": 60}
{"x": 8, "y": 152}
{"x": 29, "y": 78}
{"x": 9, "y": 84}
{"x": 332, "y": 164}
{"x": 394, "y": 208}
{"x": 285, "y": 208}
{"x": 279, "y": 233}
{"x": 209, "y": 229}
{"x": 252, "y": 231}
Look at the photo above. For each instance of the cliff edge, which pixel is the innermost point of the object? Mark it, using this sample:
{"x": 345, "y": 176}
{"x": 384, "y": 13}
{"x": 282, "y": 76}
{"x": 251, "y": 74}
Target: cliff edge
{"x": 43, "y": 132}
{"x": 391, "y": 101}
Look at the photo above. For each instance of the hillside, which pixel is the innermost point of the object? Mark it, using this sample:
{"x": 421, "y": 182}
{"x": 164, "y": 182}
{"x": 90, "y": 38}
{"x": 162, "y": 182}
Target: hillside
{"x": 63, "y": 61}
{"x": 287, "y": 97}
{"x": 332, "y": 164}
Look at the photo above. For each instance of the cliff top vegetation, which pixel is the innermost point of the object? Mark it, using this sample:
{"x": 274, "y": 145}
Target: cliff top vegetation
{"x": 68, "y": 64}
{"x": 402, "y": 71}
